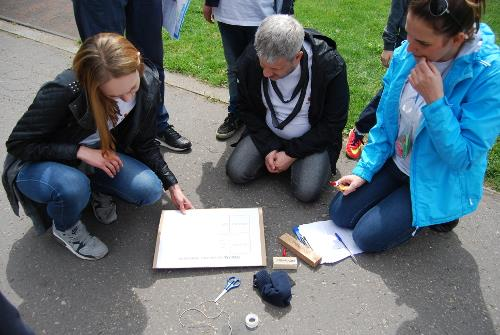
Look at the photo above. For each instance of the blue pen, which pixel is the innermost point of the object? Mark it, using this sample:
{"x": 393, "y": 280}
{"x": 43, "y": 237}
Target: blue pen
{"x": 301, "y": 238}
{"x": 345, "y": 246}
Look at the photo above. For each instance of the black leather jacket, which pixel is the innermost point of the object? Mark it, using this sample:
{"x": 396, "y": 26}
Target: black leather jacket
{"x": 59, "y": 119}
{"x": 327, "y": 112}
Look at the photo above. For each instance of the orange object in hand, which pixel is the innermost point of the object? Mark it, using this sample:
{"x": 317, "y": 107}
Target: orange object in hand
{"x": 339, "y": 186}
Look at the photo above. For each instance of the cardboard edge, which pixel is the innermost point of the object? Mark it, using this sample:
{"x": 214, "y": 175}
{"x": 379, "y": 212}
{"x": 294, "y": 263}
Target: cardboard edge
{"x": 262, "y": 237}
{"x": 158, "y": 237}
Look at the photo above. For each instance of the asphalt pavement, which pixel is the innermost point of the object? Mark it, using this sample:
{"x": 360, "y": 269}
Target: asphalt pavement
{"x": 434, "y": 284}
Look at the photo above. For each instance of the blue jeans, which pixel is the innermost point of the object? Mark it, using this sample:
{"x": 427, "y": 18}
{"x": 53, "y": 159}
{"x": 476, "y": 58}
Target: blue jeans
{"x": 66, "y": 190}
{"x": 379, "y": 212}
{"x": 234, "y": 41}
{"x": 308, "y": 175}
{"x": 141, "y": 20}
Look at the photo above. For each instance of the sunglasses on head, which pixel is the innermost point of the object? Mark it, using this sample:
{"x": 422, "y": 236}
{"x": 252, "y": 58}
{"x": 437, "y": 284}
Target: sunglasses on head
{"x": 439, "y": 8}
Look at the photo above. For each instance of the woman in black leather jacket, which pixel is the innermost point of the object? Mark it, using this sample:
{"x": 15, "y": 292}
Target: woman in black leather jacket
{"x": 89, "y": 134}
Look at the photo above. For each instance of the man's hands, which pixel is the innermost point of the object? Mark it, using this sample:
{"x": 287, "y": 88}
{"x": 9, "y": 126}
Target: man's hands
{"x": 283, "y": 161}
{"x": 385, "y": 57}
{"x": 179, "y": 199}
{"x": 427, "y": 81}
{"x": 270, "y": 161}
{"x": 109, "y": 163}
{"x": 352, "y": 182}
{"x": 208, "y": 13}
{"x": 278, "y": 161}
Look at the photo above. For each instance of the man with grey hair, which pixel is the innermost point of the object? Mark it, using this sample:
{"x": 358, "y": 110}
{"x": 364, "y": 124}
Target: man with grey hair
{"x": 293, "y": 98}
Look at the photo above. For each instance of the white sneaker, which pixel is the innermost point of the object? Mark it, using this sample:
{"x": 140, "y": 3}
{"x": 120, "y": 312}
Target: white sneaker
{"x": 78, "y": 240}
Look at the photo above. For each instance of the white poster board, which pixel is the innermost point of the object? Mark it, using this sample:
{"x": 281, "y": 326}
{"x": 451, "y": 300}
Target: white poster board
{"x": 205, "y": 238}
{"x": 174, "y": 12}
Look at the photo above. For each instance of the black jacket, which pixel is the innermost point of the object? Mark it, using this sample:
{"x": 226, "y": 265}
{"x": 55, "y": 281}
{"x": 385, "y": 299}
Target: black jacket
{"x": 59, "y": 119}
{"x": 327, "y": 112}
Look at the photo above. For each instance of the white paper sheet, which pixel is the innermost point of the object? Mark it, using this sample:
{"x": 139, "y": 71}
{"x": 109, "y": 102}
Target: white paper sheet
{"x": 210, "y": 238}
{"x": 321, "y": 237}
{"x": 174, "y": 12}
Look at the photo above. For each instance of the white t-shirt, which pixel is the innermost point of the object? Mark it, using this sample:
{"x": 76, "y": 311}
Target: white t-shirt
{"x": 124, "y": 108}
{"x": 243, "y": 12}
{"x": 299, "y": 125}
{"x": 410, "y": 119}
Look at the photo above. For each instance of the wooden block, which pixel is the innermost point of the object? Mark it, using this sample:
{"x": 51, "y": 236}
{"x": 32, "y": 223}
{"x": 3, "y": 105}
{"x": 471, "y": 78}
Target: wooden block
{"x": 285, "y": 263}
{"x": 301, "y": 251}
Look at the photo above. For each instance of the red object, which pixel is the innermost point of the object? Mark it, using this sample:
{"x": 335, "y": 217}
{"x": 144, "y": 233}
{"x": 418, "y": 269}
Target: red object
{"x": 354, "y": 145}
{"x": 283, "y": 251}
{"x": 333, "y": 183}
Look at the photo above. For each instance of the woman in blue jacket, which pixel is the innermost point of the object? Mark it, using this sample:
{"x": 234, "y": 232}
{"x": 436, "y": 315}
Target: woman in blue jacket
{"x": 438, "y": 117}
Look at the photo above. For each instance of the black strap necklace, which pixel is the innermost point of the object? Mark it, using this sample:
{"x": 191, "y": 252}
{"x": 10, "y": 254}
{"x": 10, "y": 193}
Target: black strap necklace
{"x": 301, "y": 87}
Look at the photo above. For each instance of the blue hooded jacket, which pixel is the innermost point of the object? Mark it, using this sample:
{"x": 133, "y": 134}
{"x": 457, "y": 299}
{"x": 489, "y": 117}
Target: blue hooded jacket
{"x": 451, "y": 147}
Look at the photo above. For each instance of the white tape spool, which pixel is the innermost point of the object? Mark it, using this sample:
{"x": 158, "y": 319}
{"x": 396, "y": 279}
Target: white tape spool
{"x": 252, "y": 321}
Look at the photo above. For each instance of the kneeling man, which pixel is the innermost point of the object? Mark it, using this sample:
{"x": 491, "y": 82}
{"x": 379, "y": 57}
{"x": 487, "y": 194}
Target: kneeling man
{"x": 293, "y": 98}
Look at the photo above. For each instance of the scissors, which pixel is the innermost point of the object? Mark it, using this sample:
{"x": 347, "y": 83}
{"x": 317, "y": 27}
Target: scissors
{"x": 232, "y": 282}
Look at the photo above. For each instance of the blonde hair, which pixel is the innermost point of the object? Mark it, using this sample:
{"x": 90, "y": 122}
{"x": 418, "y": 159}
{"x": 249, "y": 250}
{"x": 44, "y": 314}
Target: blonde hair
{"x": 101, "y": 58}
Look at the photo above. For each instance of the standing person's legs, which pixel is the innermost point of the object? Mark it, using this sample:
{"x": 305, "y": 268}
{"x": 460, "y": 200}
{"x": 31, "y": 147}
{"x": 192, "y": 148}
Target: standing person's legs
{"x": 143, "y": 29}
{"x": 135, "y": 182}
{"x": 309, "y": 175}
{"x": 366, "y": 120}
{"x": 99, "y": 16}
{"x": 245, "y": 163}
{"x": 66, "y": 191}
{"x": 234, "y": 41}
{"x": 381, "y": 205}
{"x": 144, "y": 19}
{"x": 141, "y": 20}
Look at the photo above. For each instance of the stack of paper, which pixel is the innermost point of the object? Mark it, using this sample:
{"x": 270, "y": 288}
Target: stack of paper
{"x": 321, "y": 237}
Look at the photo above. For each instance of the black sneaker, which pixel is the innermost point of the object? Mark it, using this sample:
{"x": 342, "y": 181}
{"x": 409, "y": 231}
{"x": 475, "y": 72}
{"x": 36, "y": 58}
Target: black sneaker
{"x": 230, "y": 125}
{"x": 104, "y": 207}
{"x": 171, "y": 139}
{"x": 445, "y": 227}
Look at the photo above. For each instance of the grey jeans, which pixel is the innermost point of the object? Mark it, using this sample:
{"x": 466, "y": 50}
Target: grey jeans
{"x": 308, "y": 174}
